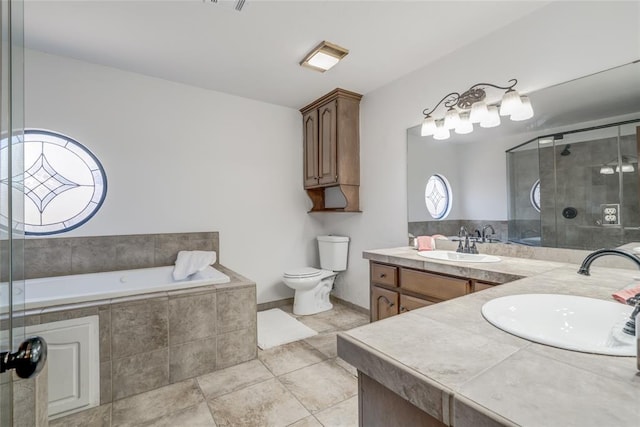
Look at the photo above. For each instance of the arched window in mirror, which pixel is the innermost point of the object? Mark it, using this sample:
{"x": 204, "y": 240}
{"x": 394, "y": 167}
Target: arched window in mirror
{"x": 63, "y": 183}
{"x": 438, "y": 196}
{"x": 534, "y": 195}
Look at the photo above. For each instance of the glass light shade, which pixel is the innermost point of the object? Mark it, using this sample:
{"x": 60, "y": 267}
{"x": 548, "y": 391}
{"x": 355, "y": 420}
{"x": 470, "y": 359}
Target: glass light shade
{"x": 524, "y": 112}
{"x": 492, "y": 118}
{"x": 626, "y": 168}
{"x": 464, "y": 125}
{"x": 451, "y": 118}
{"x": 606, "y": 170}
{"x": 511, "y": 103}
{"x": 478, "y": 112}
{"x": 322, "y": 60}
{"x": 441, "y": 132}
{"x": 428, "y": 126}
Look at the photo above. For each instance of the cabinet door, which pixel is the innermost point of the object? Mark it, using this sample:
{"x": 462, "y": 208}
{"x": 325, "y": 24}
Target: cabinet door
{"x": 327, "y": 140}
{"x": 310, "y": 129}
{"x": 480, "y": 286}
{"x": 384, "y": 303}
{"x": 408, "y": 303}
{"x": 433, "y": 286}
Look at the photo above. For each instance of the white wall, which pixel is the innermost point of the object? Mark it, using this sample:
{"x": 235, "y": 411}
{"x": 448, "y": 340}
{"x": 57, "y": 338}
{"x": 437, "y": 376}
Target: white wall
{"x": 560, "y": 42}
{"x": 183, "y": 159}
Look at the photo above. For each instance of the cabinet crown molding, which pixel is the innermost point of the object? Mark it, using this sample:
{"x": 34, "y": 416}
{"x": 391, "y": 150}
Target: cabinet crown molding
{"x": 334, "y": 94}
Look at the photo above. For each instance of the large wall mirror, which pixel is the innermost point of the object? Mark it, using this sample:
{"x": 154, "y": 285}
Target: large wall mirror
{"x": 566, "y": 178}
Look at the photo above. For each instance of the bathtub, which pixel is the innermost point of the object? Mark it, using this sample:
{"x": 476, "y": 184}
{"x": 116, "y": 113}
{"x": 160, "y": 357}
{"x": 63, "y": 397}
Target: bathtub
{"x": 78, "y": 288}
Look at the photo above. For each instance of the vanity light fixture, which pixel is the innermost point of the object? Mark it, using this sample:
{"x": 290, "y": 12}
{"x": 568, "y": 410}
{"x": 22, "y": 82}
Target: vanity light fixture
{"x": 463, "y": 110}
{"x": 324, "y": 56}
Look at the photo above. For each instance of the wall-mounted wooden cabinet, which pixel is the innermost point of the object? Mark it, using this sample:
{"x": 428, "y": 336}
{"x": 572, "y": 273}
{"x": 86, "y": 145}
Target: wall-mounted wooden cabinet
{"x": 331, "y": 134}
{"x": 396, "y": 290}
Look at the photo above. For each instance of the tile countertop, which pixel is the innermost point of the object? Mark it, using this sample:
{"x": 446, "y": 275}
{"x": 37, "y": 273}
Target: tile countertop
{"x": 451, "y": 363}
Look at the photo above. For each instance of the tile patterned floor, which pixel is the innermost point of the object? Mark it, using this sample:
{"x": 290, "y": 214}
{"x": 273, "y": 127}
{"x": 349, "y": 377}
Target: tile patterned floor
{"x": 301, "y": 384}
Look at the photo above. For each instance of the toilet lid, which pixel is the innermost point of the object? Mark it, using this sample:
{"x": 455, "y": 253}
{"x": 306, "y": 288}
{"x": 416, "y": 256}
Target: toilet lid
{"x": 302, "y": 272}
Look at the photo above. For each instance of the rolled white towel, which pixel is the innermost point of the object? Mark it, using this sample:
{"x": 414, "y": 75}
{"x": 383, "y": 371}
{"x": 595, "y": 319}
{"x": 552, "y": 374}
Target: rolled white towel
{"x": 190, "y": 262}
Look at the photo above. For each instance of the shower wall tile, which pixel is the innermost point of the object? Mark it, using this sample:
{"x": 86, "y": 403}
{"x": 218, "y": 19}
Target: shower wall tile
{"x": 192, "y": 359}
{"x": 139, "y": 326}
{"x": 140, "y": 373}
{"x": 236, "y": 309}
{"x": 192, "y": 318}
{"x": 236, "y": 347}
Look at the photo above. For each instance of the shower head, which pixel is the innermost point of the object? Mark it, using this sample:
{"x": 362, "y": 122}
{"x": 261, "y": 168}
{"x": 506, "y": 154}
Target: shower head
{"x": 566, "y": 151}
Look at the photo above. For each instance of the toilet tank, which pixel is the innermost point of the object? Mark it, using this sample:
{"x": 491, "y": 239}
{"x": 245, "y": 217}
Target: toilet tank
{"x": 333, "y": 252}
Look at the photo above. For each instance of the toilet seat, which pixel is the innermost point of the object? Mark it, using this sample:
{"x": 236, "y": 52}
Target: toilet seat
{"x": 302, "y": 273}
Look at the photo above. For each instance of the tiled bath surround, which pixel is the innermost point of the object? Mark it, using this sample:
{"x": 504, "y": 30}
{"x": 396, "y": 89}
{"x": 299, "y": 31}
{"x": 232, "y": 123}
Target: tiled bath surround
{"x": 152, "y": 340}
{"x": 77, "y": 255}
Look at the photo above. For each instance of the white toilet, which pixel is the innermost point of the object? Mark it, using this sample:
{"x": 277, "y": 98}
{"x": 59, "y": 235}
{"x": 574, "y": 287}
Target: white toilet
{"x": 312, "y": 286}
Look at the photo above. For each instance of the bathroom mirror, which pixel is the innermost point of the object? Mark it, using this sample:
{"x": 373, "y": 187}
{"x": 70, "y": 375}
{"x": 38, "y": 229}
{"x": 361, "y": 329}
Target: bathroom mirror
{"x": 484, "y": 191}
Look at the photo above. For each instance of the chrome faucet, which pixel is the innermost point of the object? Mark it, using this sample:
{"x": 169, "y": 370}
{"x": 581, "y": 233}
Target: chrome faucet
{"x": 484, "y": 235}
{"x": 630, "y": 327}
{"x": 586, "y": 263}
{"x": 466, "y": 249}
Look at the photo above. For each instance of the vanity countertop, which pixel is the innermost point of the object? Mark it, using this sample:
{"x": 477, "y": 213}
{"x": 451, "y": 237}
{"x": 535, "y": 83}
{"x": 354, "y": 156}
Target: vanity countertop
{"x": 451, "y": 363}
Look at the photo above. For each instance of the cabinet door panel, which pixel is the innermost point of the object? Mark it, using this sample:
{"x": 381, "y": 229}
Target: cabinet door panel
{"x": 408, "y": 303}
{"x": 479, "y": 286}
{"x": 327, "y": 140}
{"x": 384, "y": 303}
{"x": 433, "y": 285}
{"x": 310, "y": 129}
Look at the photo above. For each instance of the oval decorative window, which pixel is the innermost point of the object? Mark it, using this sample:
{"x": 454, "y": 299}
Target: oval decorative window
{"x": 64, "y": 184}
{"x": 534, "y": 195}
{"x": 438, "y": 196}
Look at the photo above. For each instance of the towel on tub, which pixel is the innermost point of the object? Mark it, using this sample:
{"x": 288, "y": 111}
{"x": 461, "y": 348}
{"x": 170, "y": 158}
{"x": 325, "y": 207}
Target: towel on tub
{"x": 190, "y": 262}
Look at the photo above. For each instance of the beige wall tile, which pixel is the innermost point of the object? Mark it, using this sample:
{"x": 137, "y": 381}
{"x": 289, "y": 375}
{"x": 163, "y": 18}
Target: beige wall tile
{"x": 236, "y": 309}
{"x": 140, "y": 326}
{"x": 191, "y": 359}
{"x": 192, "y": 317}
{"x": 236, "y": 347}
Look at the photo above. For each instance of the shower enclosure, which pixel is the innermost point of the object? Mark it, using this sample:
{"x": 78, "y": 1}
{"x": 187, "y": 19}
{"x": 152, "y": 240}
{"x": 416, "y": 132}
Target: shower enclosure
{"x": 577, "y": 189}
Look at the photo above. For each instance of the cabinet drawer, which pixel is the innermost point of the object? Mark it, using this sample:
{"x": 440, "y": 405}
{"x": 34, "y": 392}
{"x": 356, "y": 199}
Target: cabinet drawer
{"x": 408, "y": 303}
{"x": 433, "y": 285}
{"x": 384, "y": 274}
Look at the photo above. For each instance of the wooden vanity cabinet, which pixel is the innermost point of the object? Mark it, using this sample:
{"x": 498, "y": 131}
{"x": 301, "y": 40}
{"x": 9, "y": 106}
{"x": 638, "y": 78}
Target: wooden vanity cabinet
{"x": 331, "y": 135}
{"x": 396, "y": 290}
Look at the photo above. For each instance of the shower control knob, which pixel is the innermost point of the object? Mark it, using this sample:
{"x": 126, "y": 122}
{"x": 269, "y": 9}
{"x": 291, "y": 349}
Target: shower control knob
{"x": 28, "y": 360}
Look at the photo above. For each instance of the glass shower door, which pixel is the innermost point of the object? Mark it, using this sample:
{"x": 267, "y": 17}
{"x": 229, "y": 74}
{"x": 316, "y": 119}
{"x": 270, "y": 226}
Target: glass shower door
{"x": 11, "y": 194}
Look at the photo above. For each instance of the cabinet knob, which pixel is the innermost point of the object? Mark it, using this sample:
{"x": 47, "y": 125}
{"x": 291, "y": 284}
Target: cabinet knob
{"x": 389, "y": 303}
{"x": 403, "y": 308}
{"x": 383, "y": 275}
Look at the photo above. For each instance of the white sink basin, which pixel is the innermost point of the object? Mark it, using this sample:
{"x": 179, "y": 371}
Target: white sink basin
{"x": 458, "y": 256}
{"x": 565, "y": 321}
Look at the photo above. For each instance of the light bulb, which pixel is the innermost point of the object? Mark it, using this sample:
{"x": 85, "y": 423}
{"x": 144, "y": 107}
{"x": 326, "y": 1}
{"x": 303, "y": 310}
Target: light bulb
{"x": 492, "y": 118}
{"x": 428, "y": 126}
{"x": 606, "y": 170}
{"x": 464, "y": 125}
{"x": 524, "y": 112}
{"x": 478, "y": 112}
{"x": 626, "y": 168}
{"x": 441, "y": 132}
{"x": 451, "y": 118}
{"x": 511, "y": 103}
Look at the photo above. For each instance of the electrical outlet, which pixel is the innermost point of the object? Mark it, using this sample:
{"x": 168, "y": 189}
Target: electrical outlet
{"x": 610, "y": 214}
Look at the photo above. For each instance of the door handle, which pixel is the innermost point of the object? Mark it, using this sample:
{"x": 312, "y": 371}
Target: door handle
{"x": 28, "y": 360}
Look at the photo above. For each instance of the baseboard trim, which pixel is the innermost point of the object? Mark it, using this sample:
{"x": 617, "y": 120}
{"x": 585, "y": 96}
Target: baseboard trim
{"x": 350, "y": 305}
{"x": 275, "y": 304}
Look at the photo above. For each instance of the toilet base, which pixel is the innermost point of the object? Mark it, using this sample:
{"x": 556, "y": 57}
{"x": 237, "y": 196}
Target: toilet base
{"x": 314, "y": 300}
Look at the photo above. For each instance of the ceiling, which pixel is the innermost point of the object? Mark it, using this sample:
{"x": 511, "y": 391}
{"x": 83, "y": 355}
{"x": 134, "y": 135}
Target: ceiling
{"x": 255, "y": 53}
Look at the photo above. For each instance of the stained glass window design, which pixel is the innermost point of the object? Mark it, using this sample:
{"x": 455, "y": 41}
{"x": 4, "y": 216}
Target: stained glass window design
{"x": 534, "y": 195}
{"x": 438, "y": 196}
{"x": 63, "y": 183}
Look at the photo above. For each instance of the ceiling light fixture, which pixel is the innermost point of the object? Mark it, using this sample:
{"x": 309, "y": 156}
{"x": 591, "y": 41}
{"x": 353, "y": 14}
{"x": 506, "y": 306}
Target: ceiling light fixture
{"x": 324, "y": 56}
{"x": 463, "y": 110}
{"x": 626, "y": 165}
{"x": 237, "y": 4}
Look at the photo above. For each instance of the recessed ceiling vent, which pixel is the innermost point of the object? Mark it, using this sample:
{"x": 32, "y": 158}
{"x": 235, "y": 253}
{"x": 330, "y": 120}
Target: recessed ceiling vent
{"x": 236, "y": 4}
